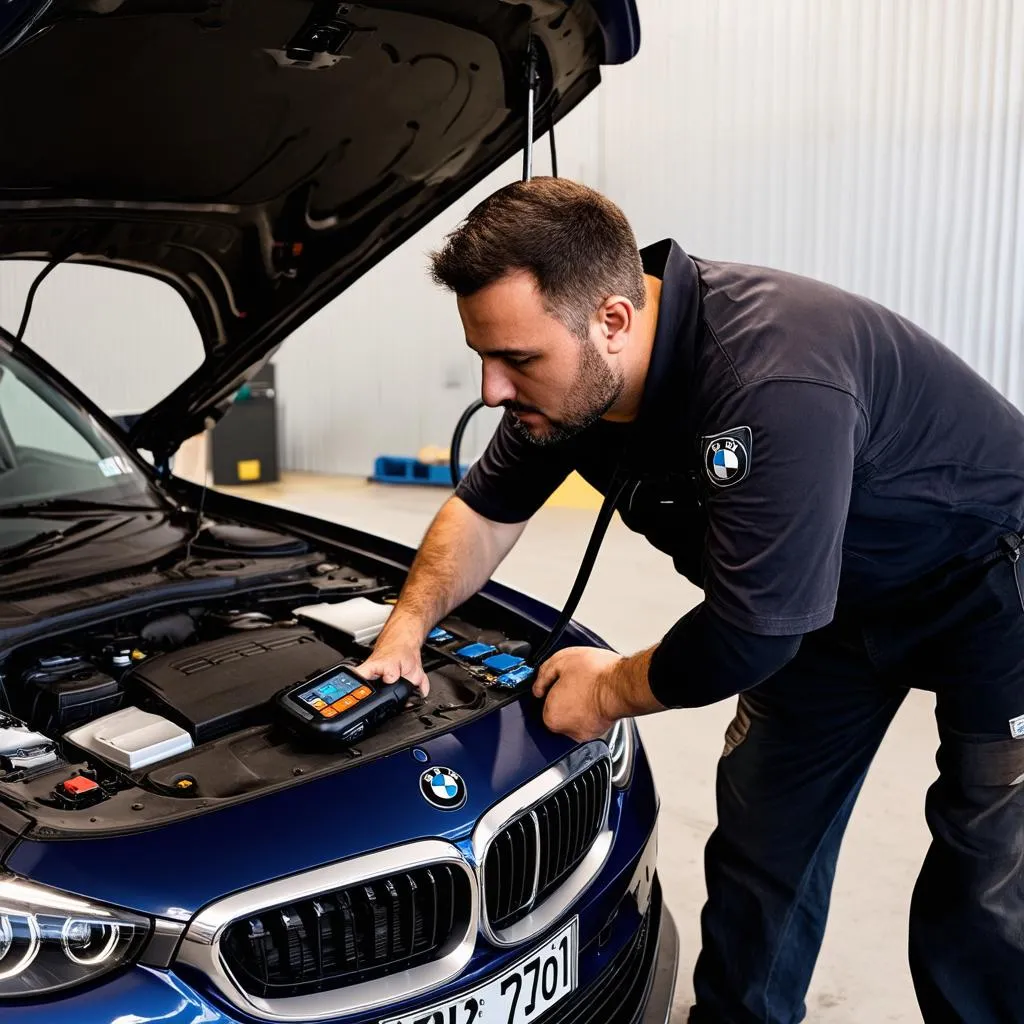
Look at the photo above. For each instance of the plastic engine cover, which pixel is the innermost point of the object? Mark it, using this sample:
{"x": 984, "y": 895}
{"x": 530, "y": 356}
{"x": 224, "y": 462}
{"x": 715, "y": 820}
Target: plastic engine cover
{"x": 219, "y": 687}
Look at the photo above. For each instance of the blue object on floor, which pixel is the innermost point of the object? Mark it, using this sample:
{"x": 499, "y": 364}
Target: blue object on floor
{"x": 398, "y": 469}
{"x": 503, "y": 662}
{"x": 474, "y": 652}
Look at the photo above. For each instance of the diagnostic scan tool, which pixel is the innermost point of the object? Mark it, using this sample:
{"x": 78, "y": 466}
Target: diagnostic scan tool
{"x": 340, "y": 707}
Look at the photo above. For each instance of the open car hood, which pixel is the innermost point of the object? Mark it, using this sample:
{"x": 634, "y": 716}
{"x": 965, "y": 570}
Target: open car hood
{"x": 259, "y": 156}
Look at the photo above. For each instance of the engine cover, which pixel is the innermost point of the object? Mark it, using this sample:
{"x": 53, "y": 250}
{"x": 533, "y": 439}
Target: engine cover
{"x": 221, "y": 686}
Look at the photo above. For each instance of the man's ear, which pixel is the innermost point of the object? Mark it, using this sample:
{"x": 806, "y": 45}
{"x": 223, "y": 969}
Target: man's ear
{"x": 616, "y": 319}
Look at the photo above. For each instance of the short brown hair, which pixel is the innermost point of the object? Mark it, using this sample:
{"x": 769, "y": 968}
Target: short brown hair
{"x": 577, "y": 244}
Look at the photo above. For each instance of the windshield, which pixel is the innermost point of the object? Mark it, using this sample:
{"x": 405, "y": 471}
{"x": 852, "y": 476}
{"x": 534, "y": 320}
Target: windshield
{"x": 51, "y": 449}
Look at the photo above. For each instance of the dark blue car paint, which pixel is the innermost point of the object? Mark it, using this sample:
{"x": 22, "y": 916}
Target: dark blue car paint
{"x": 142, "y": 994}
{"x": 620, "y": 26}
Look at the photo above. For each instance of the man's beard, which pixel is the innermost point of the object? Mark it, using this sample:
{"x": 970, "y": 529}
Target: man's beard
{"x": 594, "y": 390}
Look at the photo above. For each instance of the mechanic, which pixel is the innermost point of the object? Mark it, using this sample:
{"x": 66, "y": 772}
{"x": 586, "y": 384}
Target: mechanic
{"x": 848, "y": 494}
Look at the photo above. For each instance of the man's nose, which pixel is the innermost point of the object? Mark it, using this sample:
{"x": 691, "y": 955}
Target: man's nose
{"x": 495, "y": 387}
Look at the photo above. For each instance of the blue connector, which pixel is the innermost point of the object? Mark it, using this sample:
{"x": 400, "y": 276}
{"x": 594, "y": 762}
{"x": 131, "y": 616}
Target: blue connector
{"x": 502, "y": 662}
{"x": 515, "y": 678}
{"x": 474, "y": 652}
{"x": 440, "y": 636}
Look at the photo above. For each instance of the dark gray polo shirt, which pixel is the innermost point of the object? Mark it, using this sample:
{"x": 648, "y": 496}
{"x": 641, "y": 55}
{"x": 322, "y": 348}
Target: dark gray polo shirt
{"x": 797, "y": 448}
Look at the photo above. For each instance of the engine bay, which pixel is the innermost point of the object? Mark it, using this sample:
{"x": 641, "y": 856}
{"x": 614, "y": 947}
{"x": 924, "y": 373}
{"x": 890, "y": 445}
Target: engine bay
{"x": 146, "y": 717}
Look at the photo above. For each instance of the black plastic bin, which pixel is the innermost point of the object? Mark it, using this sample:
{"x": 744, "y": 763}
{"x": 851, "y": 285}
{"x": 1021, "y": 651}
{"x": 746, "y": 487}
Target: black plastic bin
{"x": 243, "y": 446}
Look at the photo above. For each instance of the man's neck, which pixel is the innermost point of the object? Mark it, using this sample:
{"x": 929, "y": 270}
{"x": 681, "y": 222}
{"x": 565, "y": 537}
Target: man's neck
{"x": 637, "y": 356}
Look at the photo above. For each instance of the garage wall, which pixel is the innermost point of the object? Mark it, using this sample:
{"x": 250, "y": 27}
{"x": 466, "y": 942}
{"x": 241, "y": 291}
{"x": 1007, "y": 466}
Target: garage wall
{"x": 876, "y": 144}
{"x": 123, "y": 338}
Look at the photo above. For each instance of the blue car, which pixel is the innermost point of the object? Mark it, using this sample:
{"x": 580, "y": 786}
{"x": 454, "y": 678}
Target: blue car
{"x": 205, "y": 816}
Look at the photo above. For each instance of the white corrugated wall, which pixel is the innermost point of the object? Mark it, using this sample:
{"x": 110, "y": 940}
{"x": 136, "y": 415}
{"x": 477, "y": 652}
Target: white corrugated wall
{"x": 876, "y": 144}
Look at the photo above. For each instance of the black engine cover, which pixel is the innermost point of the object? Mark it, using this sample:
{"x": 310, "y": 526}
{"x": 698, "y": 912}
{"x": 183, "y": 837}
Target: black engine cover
{"x": 220, "y": 686}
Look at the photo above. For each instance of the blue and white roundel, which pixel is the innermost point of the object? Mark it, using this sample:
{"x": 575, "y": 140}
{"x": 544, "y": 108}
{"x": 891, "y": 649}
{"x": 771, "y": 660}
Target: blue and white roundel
{"x": 443, "y": 788}
{"x": 727, "y": 456}
{"x": 725, "y": 464}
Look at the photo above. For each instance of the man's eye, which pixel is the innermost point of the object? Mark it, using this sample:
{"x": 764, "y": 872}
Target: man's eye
{"x": 521, "y": 361}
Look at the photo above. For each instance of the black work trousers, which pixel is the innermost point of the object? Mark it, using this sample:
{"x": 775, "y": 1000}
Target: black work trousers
{"x": 795, "y": 757}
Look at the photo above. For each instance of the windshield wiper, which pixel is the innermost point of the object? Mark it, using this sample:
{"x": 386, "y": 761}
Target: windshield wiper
{"x": 52, "y": 540}
{"x": 35, "y": 545}
{"x": 73, "y": 506}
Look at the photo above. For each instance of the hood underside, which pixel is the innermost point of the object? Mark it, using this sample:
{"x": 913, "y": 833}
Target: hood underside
{"x": 261, "y": 156}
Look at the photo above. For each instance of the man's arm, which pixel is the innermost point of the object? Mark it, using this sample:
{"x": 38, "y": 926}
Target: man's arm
{"x": 701, "y": 660}
{"x": 772, "y": 560}
{"x": 459, "y": 554}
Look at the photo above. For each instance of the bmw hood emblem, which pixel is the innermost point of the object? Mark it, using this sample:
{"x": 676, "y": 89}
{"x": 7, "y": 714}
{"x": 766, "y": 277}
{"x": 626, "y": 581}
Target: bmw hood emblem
{"x": 443, "y": 788}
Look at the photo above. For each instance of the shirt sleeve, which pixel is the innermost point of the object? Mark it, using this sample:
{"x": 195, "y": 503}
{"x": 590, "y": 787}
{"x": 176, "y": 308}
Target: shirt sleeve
{"x": 514, "y": 477}
{"x": 773, "y": 548}
{"x": 704, "y": 659}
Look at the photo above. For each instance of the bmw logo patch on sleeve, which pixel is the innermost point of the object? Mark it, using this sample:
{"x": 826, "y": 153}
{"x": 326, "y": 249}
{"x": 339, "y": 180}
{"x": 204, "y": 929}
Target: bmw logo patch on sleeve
{"x": 727, "y": 456}
{"x": 443, "y": 788}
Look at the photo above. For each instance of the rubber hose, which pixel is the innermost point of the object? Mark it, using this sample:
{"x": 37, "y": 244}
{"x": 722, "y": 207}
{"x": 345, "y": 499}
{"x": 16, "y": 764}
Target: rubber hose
{"x": 460, "y": 429}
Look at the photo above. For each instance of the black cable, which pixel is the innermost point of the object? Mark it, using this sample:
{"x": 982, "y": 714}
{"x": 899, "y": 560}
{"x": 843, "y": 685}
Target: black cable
{"x": 30, "y": 298}
{"x": 554, "y": 149}
{"x": 460, "y": 429}
{"x": 604, "y": 517}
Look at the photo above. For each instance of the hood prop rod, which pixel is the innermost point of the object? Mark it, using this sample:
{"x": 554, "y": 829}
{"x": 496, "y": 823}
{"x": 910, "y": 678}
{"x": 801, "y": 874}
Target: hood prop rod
{"x": 532, "y": 82}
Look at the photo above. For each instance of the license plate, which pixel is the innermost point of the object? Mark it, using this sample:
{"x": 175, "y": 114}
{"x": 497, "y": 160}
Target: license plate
{"x": 519, "y": 994}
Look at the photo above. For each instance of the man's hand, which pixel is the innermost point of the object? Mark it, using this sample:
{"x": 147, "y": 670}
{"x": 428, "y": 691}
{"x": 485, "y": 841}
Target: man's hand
{"x": 396, "y": 654}
{"x": 589, "y": 689}
{"x": 576, "y": 682}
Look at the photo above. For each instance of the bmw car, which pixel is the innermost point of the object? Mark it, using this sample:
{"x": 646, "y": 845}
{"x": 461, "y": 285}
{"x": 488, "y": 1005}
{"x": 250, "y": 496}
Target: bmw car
{"x": 187, "y": 832}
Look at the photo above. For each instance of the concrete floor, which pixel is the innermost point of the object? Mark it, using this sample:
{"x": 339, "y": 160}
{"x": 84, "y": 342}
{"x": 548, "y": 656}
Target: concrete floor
{"x": 633, "y": 597}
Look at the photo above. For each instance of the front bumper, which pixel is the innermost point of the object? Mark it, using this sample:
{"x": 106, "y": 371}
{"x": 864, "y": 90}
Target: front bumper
{"x": 635, "y": 986}
{"x": 658, "y": 1009}
{"x": 638, "y": 985}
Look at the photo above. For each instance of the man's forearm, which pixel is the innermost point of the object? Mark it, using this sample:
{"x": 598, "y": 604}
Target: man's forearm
{"x": 459, "y": 553}
{"x": 625, "y": 690}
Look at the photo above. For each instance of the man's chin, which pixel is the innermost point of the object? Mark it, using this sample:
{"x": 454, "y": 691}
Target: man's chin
{"x": 536, "y": 428}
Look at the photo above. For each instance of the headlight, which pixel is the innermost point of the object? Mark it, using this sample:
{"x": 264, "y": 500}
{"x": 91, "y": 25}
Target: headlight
{"x": 621, "y": 740}
{"x": 50, "y": 940}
